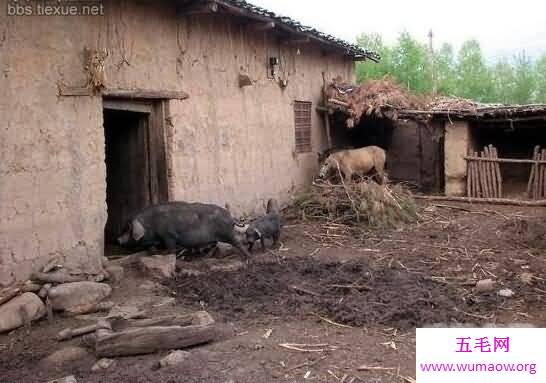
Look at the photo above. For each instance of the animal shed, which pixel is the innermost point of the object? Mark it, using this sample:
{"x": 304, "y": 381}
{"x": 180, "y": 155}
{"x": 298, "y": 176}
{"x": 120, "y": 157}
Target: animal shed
{"x": 494, "y": 151}
{"x": 369, "y": 115}
{"x": 454, "y": 146}
{"x": 152, "y": 101}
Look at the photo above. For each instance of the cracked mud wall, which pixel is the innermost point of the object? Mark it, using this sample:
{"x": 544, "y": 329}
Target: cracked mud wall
{"x": 225, "y": 144}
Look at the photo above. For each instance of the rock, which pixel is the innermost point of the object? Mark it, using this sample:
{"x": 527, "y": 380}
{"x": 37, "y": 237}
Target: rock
{"x": 158, "y": 266}
{"x": 114, "y": 274}
{"x": 21, "y": 310}
{"x": 65, "y": 357}
{"x": 96, "y": 277}
{"x": 526, "y": 278}
{"x": 506, "y": 293}
{"x": 66, "y": 379}
{"x": 78, "y": 297}
{"x": 485, "y": 286}
{"x": 103, "y": 364}
{"x": 174, "y": 358}
{"x": 44, "y": 290}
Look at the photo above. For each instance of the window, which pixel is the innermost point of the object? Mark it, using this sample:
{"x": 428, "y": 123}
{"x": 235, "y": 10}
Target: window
{"x": 302, "y": 116}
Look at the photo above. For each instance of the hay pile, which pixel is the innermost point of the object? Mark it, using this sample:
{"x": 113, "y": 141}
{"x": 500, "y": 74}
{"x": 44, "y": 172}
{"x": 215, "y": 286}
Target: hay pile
{"x": 358, "y": 203}
{"x": 381, "y": 98}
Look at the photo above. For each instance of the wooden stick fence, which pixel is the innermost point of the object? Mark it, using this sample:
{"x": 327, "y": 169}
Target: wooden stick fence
{"x": 484, "y": 178}
{"x": 536, "y": 188}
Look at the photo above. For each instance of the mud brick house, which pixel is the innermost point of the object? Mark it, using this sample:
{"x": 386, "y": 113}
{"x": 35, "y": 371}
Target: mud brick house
{"x": 209, "y": 101}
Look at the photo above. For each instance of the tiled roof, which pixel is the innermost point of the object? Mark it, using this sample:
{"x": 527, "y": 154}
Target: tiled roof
{"x": 351, "y": 49}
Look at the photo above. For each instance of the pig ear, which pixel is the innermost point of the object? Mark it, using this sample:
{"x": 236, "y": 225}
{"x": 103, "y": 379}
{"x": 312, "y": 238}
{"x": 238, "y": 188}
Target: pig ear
{"x": 138, "y": 230}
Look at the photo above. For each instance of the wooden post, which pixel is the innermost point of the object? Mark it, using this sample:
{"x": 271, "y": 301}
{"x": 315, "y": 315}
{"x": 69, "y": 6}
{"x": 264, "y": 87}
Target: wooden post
{"x": 530, "y": 184}
{"x": 483, "y": 176}
{"x": 469, "y": 176}
{"x": 537, "y": 176}
{"x": 544, "y": 173}
{"x": 541, "y": 180}
{"x": 497, "y": 170}
{"x": 476, "y": 175}
{"x": 490, "y": 181}
{"x": 475, "y": 181}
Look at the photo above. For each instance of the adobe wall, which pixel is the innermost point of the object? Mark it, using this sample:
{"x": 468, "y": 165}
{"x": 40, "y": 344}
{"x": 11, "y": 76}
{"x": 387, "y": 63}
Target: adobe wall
{"x": 225, "y": 144}
{"x": 456, "y": 144}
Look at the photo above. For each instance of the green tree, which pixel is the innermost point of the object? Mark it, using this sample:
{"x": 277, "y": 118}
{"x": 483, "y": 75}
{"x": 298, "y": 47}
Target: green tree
{"x": 540, "y": 80}
{"x": 473, "y": 77}
{"x": 369, "y": 69}
{"x": 411, "y": 64}
{"x": 504, "y": 81}
{"x": 445, "y": 70}
{"x": 524, "y": 85}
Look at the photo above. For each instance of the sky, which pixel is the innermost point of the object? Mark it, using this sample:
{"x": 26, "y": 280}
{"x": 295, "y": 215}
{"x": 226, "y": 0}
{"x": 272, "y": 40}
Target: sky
{"x": 503, "y": 27}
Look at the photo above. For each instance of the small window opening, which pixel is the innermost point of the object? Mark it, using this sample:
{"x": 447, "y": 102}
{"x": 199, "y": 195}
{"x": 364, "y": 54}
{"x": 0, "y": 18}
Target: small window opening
{"x": 302, "y": 116}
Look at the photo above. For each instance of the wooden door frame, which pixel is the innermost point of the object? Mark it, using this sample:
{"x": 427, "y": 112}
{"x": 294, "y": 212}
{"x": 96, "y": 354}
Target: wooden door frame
{"x": 157, "y": 110}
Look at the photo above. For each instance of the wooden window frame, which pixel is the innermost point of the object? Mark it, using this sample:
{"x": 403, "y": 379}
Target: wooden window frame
{"x": 303, "y": 126}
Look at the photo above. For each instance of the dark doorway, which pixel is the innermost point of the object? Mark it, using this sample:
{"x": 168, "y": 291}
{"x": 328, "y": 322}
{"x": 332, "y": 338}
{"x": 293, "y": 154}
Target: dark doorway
{"x": 135, "y": 162}
{"x": 369, "y": 131}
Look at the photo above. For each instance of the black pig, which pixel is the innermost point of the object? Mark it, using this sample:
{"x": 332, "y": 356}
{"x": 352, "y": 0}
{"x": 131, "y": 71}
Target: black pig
{"x": 181, "y": 224}
{"x": 268, "y": 226}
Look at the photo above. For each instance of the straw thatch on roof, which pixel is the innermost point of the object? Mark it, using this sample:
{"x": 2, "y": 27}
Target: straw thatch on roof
{"x": 384, "y": 98}
{"x": 381, "y": 98}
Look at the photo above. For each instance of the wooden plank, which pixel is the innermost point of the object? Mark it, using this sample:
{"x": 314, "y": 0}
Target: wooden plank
{"x": 128, "y": 106}
{"x": 147, "y": 340}
{"x": 494, "y": 201}
{"x": 498, "y": 171}
{"x": 198, "y": 318}
{"x": 507, "y": 160}
{"x": 74, "y": 91}
{"x": 145, "y": 94}
{"x": 531, "y": 182}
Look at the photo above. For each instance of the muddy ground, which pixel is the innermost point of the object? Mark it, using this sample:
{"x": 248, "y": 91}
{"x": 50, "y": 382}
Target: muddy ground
{"x": 357, "y": 295}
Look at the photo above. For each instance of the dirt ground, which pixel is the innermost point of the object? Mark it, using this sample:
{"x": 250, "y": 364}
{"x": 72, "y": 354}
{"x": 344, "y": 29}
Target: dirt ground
{"x": 354, "y": 296}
